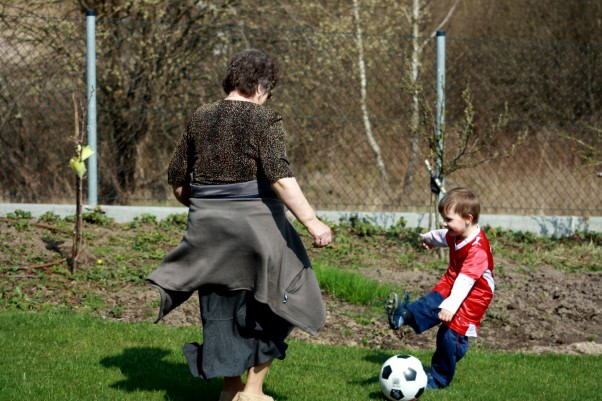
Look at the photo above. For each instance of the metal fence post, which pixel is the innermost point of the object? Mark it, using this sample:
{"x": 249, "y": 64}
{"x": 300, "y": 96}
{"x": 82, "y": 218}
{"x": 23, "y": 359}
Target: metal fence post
{"x": 440, "y": 106}
{"x": 91, "y": 103}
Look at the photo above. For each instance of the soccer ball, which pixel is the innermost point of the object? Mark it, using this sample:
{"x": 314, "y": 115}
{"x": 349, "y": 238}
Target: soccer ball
{"x": 402, "y": 378}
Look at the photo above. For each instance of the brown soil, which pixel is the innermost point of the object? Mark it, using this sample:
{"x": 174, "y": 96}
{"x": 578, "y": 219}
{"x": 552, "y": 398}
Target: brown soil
{"x": 534, "y": 310}
{"x": 540, "y": 311}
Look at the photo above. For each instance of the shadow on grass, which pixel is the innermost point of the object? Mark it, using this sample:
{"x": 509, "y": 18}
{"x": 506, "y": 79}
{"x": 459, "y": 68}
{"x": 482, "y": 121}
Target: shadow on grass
{"x": 145, "y": 369}
{"x": 377, "y": 358}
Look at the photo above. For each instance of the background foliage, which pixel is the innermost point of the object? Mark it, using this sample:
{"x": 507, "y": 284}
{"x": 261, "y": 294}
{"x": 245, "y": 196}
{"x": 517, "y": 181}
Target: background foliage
{"x": 158, "y": 60}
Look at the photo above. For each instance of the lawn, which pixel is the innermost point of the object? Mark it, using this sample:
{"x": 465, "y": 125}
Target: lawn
{"x": 61, "y": 355}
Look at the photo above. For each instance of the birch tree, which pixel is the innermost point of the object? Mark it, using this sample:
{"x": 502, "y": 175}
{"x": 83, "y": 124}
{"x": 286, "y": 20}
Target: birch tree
{"x": 363, "y": 95}
{"x": 417, "y": 16}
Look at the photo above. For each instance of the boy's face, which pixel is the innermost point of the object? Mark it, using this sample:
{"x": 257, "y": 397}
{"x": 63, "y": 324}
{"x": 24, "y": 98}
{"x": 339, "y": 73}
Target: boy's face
{"x": 456, "y": 224}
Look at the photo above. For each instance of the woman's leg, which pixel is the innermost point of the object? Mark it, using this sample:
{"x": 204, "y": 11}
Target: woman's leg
{"x": 255, "y": 378}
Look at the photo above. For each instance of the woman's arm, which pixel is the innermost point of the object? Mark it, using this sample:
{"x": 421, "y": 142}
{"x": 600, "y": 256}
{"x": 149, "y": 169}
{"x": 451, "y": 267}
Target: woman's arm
{"x": 290, "y": 193}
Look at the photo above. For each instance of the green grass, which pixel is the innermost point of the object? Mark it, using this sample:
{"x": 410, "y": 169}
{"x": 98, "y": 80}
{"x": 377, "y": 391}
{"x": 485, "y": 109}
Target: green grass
{"x": 64, "y": 355}
{"x": 352, "y": 287}
{"x": 67, "y": 356}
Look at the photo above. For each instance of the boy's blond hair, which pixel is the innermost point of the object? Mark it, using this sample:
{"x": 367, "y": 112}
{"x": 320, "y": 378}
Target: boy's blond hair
{"x": 461, "y": 201}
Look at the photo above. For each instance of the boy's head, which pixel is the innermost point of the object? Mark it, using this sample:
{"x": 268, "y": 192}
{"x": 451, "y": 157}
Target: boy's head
{"x": 461, "y": 201}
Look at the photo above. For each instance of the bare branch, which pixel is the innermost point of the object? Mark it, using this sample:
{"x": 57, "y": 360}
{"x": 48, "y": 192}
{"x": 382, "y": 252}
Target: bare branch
{"x": 445, "y": 19}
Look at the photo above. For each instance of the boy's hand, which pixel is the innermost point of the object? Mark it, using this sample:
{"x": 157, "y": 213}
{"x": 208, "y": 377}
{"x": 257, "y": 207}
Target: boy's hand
{"x": 425, "y": 240}
{"x": 445, "y": 315}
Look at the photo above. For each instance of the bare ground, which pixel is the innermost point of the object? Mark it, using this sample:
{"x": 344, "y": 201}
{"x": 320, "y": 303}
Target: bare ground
{"x": 534, "y": 310}
{"x": 540, "y": 311}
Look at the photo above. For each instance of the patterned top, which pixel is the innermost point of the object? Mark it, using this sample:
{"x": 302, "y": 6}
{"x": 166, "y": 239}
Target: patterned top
{"x": 228, "y": 142}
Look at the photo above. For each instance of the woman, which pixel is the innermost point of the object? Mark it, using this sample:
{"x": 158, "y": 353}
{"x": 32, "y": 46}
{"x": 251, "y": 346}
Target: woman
{"x": 239, "y": 251}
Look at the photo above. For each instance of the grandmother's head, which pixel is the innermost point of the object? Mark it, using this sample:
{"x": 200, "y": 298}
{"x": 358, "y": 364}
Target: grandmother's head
{"x": 248, "y": 69}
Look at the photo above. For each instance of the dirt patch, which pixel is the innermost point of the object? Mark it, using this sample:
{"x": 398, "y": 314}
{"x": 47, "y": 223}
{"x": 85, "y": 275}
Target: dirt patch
{"x": 539, "y": 311}
{"x": 534, "y": 309}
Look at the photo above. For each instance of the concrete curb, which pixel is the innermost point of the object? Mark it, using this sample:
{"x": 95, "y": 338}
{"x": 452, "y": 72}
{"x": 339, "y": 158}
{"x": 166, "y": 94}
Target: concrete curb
{"x": 539, "y": 225}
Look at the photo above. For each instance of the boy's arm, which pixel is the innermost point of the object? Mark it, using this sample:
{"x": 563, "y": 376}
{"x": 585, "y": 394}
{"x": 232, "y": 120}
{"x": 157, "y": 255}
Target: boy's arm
{"x": 435, "y": 238}
{"x": 459, "y": 292}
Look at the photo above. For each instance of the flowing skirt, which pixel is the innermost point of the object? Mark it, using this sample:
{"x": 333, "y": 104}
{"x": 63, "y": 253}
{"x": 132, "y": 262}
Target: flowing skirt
{"x": 238, "y": 333}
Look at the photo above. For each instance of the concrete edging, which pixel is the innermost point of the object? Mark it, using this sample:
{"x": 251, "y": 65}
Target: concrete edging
{"x": 539, "y": 225}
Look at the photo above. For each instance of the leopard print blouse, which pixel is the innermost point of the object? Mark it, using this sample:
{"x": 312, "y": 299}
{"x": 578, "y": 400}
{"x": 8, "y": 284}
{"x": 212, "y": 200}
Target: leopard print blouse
{"x": 228, "y": 142}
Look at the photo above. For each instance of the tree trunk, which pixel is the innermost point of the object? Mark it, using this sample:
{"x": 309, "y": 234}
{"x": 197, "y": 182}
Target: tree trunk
{"x": 415, "y": 64}
{"x": 363, "y": 90}
{"x": 77, "y": 233}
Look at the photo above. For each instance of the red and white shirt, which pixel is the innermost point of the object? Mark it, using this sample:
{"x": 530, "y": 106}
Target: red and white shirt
{"x": 468, "y": 284}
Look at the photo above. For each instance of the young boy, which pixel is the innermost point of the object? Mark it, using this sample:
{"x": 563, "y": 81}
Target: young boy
{"x": 461, "y": 296}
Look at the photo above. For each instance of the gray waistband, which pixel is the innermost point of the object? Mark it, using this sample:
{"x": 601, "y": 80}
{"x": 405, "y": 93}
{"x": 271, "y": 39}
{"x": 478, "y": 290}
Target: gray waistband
{"x": 249, "y": 189}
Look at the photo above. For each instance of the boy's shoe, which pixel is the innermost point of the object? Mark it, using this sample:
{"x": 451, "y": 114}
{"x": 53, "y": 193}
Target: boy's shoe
{"x": 391, "y": 305}
{"x": 396, "y": 310}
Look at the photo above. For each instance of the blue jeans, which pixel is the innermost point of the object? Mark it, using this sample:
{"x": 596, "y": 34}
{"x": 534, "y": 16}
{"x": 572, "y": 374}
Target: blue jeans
{"x": 451, "y": 346}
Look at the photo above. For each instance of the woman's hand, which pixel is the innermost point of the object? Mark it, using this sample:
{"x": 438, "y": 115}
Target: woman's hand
{"x": 182, "y": 194}
{"x": 321, "y": 233}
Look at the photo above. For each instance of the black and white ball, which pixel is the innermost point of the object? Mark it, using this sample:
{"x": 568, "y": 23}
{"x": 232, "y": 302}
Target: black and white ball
{"x": 402, "y": 378}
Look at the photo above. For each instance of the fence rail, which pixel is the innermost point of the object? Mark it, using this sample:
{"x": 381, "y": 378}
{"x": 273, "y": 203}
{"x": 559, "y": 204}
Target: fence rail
{"x": 151, "y": 77}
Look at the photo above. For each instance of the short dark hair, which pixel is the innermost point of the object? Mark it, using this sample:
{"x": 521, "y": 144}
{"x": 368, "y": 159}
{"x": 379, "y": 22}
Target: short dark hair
{"x": 249, "y": 68}
{"x": 461, "y": 201}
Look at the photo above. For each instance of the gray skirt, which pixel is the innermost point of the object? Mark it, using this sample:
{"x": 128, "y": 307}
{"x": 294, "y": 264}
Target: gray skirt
{"x": 252, "y": 273}
{"x": 238, "y": 333}
{"x": 243, "y": 243}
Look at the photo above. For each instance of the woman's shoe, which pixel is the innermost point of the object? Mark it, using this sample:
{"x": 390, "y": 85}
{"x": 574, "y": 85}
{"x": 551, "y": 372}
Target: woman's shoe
{"x": 227, "y": 395}
{"x": 242, "y": 396}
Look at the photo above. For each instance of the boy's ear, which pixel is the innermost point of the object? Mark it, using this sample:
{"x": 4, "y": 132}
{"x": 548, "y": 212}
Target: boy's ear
{"x": 470, "y": 219}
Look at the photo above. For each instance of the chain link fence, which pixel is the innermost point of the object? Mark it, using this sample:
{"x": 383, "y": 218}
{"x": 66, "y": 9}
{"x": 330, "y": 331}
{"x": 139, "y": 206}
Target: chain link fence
{"x": 152, "y": 76}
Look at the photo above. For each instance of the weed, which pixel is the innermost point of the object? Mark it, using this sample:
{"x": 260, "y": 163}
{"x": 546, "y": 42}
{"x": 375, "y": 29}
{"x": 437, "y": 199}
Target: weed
{"x": 16, "y": 297}
{"x": 146, "y": 218}
{"x": 155, "y": 303}
{"x": 96, "y": 216}
{"x": 49, "y": 217}
{"x": 19, "y": 214}
{"x": 177, "y": 220}
{"x": 21, "y": 219}
{"x": 116, "y": 312}
{"x": 92, "y": 301}
{"x": 500, "y": 271}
